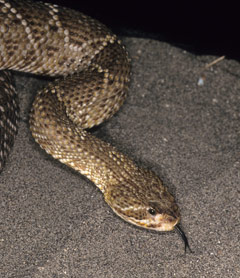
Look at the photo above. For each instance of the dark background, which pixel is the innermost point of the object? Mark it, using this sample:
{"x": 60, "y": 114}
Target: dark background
{"x": 197, "y": 26}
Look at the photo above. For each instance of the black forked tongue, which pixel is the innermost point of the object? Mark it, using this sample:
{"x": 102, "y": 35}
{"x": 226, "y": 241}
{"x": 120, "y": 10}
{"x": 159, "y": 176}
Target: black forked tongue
{"x": 184, "y": 238}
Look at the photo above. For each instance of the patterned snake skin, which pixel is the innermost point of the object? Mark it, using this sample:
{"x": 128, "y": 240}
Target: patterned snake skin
{"x": 92, "y": 72}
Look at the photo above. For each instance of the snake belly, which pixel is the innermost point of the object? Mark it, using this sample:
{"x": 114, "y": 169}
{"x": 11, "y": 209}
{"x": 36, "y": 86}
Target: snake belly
{"x": 92, "y": 71}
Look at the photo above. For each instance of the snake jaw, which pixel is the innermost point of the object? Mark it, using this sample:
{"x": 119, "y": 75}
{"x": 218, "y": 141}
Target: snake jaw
{"x": 163, "y": 223}
{"x": 160, "y": 222}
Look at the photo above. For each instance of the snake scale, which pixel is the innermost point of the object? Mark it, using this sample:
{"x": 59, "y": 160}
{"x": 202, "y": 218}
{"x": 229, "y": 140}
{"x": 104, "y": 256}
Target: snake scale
{"x": 92, "y": 71}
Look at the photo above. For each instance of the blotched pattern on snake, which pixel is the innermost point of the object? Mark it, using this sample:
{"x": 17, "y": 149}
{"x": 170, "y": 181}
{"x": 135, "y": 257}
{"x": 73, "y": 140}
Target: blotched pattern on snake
{"x": 92, "y": 71}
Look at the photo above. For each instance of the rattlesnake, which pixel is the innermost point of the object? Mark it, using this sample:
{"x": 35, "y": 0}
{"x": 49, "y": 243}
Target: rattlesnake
{"x": 92, "y": 71}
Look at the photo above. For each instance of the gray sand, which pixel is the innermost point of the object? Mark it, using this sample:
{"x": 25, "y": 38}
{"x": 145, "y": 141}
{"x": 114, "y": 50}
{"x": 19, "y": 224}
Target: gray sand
{"x": 54, "y": 222}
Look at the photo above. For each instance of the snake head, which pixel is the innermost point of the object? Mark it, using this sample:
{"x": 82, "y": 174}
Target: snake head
{"x": 144, "y": 201}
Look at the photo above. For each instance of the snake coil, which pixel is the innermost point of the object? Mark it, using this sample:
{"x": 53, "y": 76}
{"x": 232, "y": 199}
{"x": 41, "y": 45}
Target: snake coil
{"x": 92, "y": 71}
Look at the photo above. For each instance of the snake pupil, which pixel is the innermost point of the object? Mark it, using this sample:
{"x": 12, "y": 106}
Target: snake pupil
{"x": 152, "y": 211}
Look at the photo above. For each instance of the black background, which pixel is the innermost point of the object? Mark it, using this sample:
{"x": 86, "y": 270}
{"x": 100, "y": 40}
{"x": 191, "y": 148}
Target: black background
{"x": 197, "y": 26}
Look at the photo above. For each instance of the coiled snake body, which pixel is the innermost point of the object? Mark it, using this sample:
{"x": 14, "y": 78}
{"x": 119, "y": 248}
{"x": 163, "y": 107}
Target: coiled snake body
{"x": 92, "y": 74}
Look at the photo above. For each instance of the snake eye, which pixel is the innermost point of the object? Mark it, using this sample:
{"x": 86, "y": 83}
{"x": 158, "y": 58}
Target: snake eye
{"x": 152, "y": 211}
